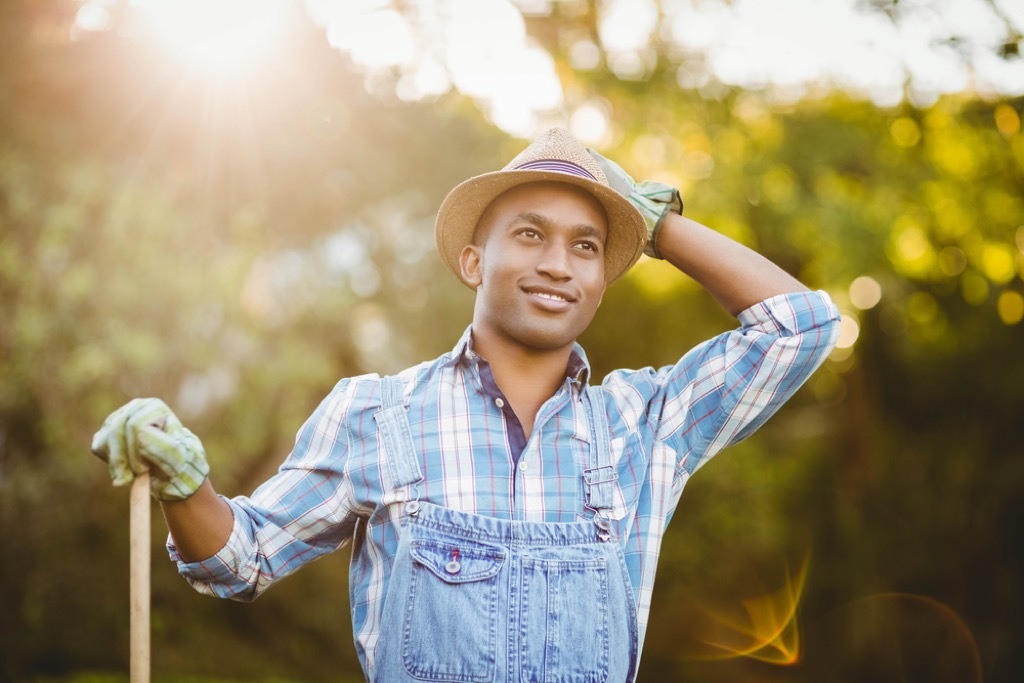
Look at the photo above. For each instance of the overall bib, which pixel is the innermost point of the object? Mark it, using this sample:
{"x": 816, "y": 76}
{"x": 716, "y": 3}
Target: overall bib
{"x": 475, "y": 599}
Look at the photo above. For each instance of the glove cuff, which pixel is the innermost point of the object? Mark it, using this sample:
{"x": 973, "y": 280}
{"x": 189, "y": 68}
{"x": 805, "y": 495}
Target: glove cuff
{"x": 184, "y": 477}
{"x": 181, "y": 487}
{"x": 655, "y": 201}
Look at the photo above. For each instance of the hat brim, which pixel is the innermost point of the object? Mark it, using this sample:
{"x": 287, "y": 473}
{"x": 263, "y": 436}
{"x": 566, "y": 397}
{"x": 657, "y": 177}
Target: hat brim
{"x": 461, "y": 210}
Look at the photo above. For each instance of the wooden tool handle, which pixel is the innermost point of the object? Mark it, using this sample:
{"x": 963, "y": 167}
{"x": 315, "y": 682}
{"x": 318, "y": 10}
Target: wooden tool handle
{"x": 139, "y": 557}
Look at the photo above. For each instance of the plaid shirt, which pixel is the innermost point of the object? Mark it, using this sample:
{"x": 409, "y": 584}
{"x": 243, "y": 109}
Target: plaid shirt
{"x": 665, "y": 424}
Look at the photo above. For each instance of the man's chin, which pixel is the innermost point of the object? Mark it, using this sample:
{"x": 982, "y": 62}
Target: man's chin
{"x": 545, "y": 340}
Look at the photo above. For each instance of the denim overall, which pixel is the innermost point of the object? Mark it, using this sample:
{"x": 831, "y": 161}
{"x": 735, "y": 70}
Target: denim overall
{"x": 474, "y": 599}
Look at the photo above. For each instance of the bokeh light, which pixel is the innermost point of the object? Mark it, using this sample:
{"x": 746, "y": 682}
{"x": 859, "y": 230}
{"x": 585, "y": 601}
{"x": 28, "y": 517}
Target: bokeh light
{"x": 865, "y": 292}
{"x": 974, "y": 288}
{"x": 590, "y": 123}
{"x": 952, "y": 261}
{"x": 905, "y": 132}
{"x": 998, "y": 262}
{"x": 93, "y": 16}
{"x": 849, "y": 330}
{"x": 1011, "y": 307}
{"x": 1007, "y": 120}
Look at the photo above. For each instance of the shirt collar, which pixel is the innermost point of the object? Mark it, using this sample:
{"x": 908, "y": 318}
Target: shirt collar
{"x": 577, "y": 369}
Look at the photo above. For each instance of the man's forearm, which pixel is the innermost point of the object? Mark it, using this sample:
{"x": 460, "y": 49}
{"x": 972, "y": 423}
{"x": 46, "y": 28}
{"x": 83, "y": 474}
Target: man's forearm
{"x": 199, "y": 525}
{"x": 737, "y": 276}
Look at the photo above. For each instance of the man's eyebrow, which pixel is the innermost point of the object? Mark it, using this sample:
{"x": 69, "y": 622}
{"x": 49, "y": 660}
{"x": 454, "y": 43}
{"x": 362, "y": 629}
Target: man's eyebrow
{"x": 541, "y": 221}
{"x": 588, "y": 230}
{"x": 530, "y": 217}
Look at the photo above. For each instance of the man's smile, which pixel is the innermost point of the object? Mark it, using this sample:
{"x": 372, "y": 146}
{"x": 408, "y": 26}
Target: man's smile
{"x": 548, "y": 294}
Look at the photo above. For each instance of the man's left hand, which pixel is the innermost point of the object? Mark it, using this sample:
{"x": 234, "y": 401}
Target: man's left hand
{"x": 653, "y": 200}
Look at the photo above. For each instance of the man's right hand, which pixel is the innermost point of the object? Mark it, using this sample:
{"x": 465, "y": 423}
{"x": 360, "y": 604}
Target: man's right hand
{"x": 145, "y": 435}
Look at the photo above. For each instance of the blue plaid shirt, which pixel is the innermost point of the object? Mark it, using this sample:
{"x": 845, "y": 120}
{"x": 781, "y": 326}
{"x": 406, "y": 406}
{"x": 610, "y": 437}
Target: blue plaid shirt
{"x": 665, "y": 423}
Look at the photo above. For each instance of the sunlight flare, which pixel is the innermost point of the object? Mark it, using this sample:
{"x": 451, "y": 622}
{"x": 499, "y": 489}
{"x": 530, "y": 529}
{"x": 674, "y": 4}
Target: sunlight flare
{"x": 763, "y": 626}
{"x": 215, "y": 34}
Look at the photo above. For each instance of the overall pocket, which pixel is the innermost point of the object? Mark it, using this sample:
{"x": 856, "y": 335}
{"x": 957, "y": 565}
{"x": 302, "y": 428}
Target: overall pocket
{"x": 564, "y": 636}
{"x": 449, "y": 631}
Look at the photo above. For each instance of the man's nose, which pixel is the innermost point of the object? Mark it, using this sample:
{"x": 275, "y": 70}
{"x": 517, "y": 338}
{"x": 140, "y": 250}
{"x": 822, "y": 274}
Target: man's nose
{"x": 554, "y": 261}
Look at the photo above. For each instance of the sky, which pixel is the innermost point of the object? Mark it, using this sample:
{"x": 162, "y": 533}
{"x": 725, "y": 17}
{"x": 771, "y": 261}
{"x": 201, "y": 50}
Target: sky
{"x": 480, "y": 47}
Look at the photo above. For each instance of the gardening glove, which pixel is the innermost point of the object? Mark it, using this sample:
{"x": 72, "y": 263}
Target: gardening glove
{"x": 653, "y": 200}
{"x": 145, "y": 435}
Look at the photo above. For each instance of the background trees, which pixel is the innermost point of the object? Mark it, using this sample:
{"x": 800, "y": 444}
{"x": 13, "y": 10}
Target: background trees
{"x": 237, "y": 244}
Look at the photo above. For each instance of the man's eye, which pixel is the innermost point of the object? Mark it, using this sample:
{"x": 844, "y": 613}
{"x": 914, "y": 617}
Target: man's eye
{"x": 588, "y": 246}
{"x": 529, "y": 232}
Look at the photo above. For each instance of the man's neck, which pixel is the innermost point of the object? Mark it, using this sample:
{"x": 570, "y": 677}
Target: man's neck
{"x": 527, "y": 377}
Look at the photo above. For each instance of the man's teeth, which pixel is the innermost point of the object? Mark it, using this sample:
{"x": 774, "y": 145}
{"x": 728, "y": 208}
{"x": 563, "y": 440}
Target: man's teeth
{"x": 553, "y": 297}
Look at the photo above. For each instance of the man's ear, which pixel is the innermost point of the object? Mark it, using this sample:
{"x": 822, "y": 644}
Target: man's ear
{"x": 471, "y": 265}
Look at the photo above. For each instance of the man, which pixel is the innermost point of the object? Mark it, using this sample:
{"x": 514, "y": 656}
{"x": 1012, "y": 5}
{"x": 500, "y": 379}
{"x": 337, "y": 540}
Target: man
{"x": 506, "y": 513}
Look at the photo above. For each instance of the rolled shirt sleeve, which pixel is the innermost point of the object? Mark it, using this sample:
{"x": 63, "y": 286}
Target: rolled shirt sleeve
{"x": 303, "y": 512}
{"x": 722, "y": 390}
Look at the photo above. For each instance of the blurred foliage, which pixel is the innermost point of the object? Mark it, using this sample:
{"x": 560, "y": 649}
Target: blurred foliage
{"x": 236, "y": 247}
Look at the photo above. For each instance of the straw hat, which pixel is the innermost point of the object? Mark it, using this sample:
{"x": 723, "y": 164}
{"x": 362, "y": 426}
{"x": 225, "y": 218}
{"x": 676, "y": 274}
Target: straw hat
{"x": 556, "y": 156}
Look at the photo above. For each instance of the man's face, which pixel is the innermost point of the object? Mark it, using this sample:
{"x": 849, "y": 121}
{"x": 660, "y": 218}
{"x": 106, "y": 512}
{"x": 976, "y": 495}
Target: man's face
{"x": 538, "y": 266}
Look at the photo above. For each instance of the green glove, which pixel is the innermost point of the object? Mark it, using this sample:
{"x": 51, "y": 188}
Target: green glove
{"x": 145, "y": 435}
{"x": 653, "y": 200}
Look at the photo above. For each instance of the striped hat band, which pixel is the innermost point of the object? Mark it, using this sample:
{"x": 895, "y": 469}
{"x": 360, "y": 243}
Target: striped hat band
{"x": 558, "y": 166}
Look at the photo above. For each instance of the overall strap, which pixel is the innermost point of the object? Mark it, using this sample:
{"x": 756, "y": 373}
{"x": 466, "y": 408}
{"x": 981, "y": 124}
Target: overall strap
{"x": 396, "y": 435}
{"x": 600, "y": 478}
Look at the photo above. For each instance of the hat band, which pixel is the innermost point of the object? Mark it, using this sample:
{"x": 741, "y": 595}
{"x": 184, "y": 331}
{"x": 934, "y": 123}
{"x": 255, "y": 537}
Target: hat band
{"x": 558, "y": 166}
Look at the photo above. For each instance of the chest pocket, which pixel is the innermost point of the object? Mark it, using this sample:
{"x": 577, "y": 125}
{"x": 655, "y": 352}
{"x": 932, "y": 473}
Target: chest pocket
{"x": 449, "y": 630}
{"x": 457, "y": 562}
